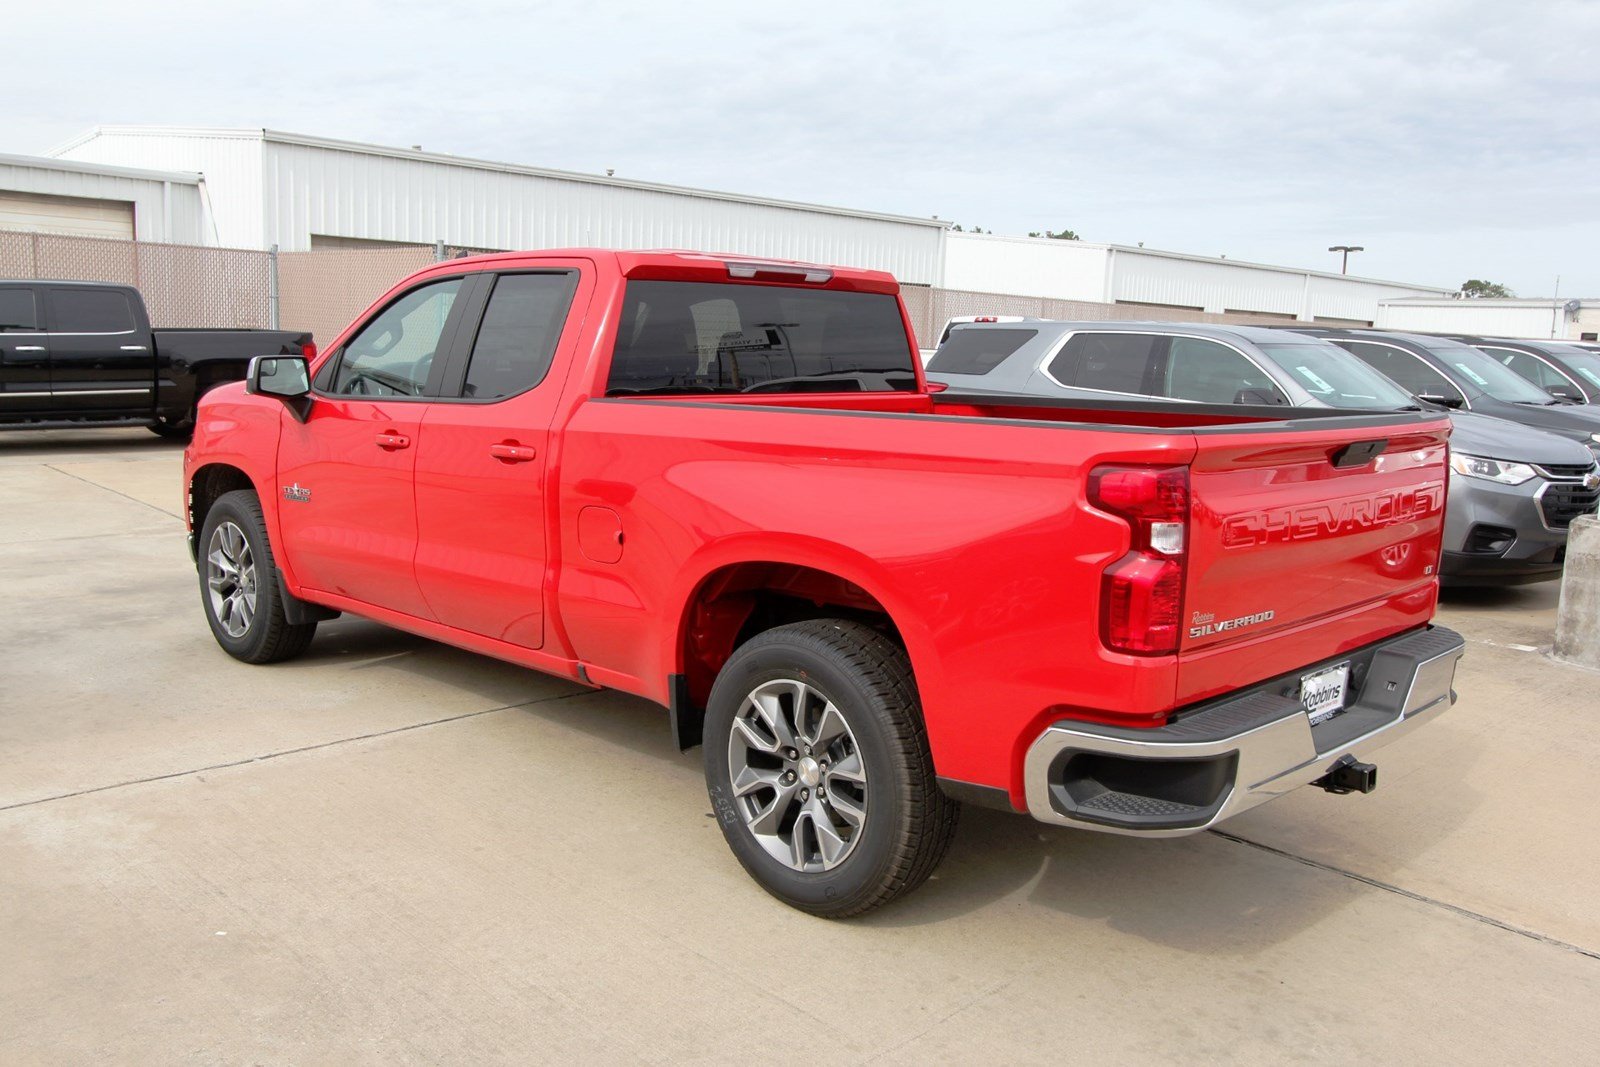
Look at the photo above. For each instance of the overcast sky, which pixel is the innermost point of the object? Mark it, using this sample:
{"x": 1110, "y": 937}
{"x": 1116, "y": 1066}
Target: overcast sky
{"x": 1453, "y": 140}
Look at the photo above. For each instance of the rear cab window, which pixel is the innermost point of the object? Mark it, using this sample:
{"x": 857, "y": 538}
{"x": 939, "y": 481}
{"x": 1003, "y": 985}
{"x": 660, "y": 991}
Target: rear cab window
{"x": 90, "y": 311}
{"x": 978, "y": 350}
{"x": 679, "y": 337}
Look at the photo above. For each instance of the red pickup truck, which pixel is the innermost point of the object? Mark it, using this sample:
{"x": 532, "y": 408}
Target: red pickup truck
{"x": 724, "y": 485}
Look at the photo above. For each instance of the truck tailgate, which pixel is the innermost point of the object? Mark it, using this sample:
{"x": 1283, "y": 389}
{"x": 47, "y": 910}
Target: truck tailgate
{"x": 1305, "y": 543}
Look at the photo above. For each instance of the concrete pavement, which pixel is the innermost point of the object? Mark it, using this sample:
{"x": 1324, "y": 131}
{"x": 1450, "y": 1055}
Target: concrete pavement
{"x": 390, "y": 850}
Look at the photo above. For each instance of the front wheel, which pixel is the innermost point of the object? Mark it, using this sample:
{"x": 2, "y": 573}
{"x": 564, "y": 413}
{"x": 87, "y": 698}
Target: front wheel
{"x": 239, "y": 584}
{"x": 819, "y": 770}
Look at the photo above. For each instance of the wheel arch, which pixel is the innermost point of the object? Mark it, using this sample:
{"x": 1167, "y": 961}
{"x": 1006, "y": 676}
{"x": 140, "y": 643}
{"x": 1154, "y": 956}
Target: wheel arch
{"x": 733, "y": 595}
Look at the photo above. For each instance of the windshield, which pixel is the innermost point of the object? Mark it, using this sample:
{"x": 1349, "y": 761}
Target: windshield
{"x": 711, "y": 337}
{"x": 1336, "y": 378}
{"x": 1470, "y": 366}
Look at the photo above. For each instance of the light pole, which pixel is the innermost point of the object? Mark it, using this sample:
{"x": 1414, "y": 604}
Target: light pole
{"x": 1344, "y": 259}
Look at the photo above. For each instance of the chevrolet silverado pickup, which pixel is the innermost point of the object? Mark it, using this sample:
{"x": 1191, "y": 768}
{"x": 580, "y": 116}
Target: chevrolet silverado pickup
{"x": 83, "y": 354}
{"x": 725, "y": 486}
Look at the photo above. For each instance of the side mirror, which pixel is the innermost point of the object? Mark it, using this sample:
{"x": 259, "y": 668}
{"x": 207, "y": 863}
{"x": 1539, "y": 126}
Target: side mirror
{"x": 1443, "y": 401}
{"x": 285, "y": 377}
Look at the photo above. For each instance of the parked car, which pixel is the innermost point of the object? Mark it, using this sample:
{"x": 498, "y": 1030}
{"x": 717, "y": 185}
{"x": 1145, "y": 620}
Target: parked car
{"x": 78, "y": 354}
{"x": 1565, "y": 371}
{"x": 723, "y": 485}
{"x": 1461, "y": 377}
{"x": 1513, "y": 492}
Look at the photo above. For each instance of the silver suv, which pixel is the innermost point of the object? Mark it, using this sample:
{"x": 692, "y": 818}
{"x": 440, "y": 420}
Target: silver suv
{"x": 1513, "y": 491}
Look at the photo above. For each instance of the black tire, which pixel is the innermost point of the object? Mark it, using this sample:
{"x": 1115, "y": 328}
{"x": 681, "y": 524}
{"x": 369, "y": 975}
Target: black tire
{"x": 266, "y": 636}
{"x": 908, "y": 823}
{"x": 173, "y": 431}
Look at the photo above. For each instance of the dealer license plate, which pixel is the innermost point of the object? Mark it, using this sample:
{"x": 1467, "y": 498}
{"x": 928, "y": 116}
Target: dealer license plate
{"x": 1323, "y": 692}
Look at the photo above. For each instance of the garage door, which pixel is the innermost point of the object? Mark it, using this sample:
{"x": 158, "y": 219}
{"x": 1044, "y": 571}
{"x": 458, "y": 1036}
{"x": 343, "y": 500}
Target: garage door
{"x": 66, "y": 214}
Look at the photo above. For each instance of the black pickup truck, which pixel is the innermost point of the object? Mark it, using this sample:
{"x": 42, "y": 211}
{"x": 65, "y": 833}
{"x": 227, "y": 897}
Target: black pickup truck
{"x": 80, "y": 354}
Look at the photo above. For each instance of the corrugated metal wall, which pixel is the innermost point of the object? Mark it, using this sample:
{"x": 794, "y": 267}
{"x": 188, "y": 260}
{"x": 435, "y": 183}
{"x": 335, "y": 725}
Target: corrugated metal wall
{"x": 1074, "y": 270}
{"x": 231, "y": 161}
{"x": 1028, "y": 266}
{"x": 162, "y": 210}
{"x": 1469, "y": 316}
{"x": 1218, "y": 286}
{"x": 315, "y": 189}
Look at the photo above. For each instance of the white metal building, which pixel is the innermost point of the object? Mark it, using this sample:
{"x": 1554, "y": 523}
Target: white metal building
{"x": 58, "y": 196}
{"x": 1539, "y": 319}
{"x": 1119, "y": 274}
{"x": 272, "y": 188}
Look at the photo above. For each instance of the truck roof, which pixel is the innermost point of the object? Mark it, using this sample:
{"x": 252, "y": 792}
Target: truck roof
{"x": 700, "y": 266}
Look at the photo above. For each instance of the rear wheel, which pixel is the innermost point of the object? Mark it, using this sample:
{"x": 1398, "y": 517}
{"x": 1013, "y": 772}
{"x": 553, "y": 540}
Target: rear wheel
{"x": 239, "y": 584}
{"x": 819, "y": 770}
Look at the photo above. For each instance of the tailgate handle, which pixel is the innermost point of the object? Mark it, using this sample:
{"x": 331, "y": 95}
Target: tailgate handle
{"x": 1358, "y": 453}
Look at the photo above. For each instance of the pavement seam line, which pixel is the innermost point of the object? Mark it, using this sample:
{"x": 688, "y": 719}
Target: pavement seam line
{"x": 1389, "y": 887}
{"x": 288, "y": 751}
{"x": 113, "y": 492}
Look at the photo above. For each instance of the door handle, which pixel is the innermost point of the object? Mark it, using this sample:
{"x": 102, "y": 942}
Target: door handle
{"x": 393, "y": 441}
{"x": 133, "y": 348}
{"x": 30, "y": 348}
{"x": 510, "y": 452}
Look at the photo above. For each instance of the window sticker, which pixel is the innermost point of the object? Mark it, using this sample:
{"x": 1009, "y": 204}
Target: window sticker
{"x": 1470, "y": 373}
{"x": 1311, "y": 376}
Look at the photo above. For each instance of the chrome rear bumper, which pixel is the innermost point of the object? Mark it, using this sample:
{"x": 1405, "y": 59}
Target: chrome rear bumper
{"x": 1226, "y": 757}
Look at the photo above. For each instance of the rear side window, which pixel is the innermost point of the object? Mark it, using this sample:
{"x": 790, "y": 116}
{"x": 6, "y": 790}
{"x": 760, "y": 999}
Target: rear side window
{"x": 518, "y": 334}
{"x": 1210, "y": 373}
{"x": 90, "y": 311}
{"x": 978, "y": 351}
{"x": 17, "y": 310}
{"x": 1109, "y": 362}
{"x": 710, "y": 337}
{"x": 1407, "y": 371}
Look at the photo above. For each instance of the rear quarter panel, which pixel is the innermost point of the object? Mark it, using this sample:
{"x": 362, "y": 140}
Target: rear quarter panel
{"x": 973, "y": 534}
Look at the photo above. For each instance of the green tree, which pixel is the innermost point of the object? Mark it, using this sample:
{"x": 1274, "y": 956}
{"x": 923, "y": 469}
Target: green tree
{"x": 1476, "y": 287}
{"x": 1064, "y": 235}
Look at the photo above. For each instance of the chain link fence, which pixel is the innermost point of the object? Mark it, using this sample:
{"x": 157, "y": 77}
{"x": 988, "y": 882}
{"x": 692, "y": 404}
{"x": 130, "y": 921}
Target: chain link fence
{"x": 183, "y": 285}
{"x": 324, "y": 290}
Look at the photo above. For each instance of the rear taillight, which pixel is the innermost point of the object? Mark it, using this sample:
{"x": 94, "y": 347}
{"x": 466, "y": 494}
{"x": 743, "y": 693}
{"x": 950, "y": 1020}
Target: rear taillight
{"x": 309, "y": 350}
{"x": 1141, "y": 594}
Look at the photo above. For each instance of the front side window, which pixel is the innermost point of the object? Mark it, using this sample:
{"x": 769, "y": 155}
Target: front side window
{"x": 91, "y": 311}
{"x": 1334, "y": 378}
{"x": 1210, "y": 373}
{"x": 393, "y": 354}
{"x": 1109, "y": 362}
{"x": 17, "y": 310}
{"x": 1404, "y": 369}
{"x": 713, "y": 337}
{"x": 517, "y": 337}
{"x": 978, "y": 350}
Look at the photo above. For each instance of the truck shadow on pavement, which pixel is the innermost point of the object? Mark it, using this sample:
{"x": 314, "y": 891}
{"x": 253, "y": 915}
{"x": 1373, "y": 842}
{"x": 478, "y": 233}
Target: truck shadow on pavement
{"x": 73, "y": 445}
{"x": 1204, "y": 894}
